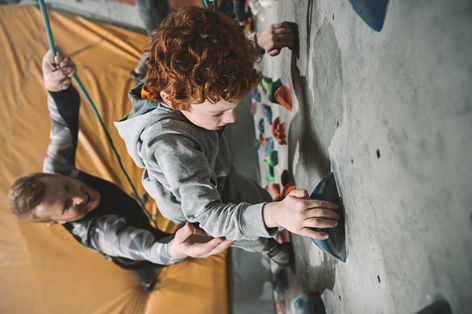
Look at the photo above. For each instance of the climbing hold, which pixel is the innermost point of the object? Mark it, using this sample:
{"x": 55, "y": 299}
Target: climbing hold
{"x": 335, "y": 245}
{"x": 278, "y": 131}
{"x": 255, "y": 95}
{"x": 283, "y": 96}
{"x": 272, "y": 159}
{"x": 263, "y": 140}
{"x": 288, "y": 188}
{"x": 257, "y": 144}
{"x": 270, "y": 87}
{"x": 308, "y": 303}
{"x": 371, "y": 11}
{"x": 260, "y": 126}
{"x": 267, "y": 112}
{"x": 276, "y": 191}
{"x": 286, "y": 177}
{"x": 270, "y": 177}
{"x": 288, "y": 182}
{"x": 438, "y": 307}
{"x": 269, "y": 146}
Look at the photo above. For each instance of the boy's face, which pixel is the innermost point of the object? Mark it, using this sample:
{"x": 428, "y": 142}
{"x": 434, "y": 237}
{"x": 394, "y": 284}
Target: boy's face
{"x": 212, "y": 116}
{"x": 66, "y": 199}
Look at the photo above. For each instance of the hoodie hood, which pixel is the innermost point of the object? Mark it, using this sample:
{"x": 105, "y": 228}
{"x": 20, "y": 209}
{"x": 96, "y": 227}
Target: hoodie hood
{"x": 143, "y": 114}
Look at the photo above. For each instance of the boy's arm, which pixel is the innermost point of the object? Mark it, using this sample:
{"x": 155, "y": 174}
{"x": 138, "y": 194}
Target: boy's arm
{"x": 187, "y": 172}
{"x": 112, "y": 236}
{"x": 63, "y": 106}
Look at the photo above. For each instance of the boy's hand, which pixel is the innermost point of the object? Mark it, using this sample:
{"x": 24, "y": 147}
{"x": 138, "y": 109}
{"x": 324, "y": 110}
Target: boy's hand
{"x": 300, "y": 215}
{"x": 186, "y": 243}
{"x": 57, "y": 71}
{"x": 277, "y": 36}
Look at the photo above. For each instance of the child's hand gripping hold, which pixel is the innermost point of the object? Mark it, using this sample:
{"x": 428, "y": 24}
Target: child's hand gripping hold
{"x": 300, "y": 215}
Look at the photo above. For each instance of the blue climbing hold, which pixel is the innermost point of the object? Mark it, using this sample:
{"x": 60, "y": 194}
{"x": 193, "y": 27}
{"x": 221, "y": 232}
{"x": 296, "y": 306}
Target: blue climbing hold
{"x": 308, "y": 303}
{"x": 371, "y": 11}
{"x": 260, "y": 126}
{"x": 257, "y": 144}
{"x": 256, "y": 95}
{"x": 267, "y": 112}
{"x": 437, "y": 307}
{"x": 335, "y": 245}
{"x": 269, "y": 147}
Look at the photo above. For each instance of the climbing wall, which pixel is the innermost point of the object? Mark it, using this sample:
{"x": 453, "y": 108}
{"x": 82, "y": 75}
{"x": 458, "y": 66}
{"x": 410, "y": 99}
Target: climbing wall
{"x": 390, "y": 113}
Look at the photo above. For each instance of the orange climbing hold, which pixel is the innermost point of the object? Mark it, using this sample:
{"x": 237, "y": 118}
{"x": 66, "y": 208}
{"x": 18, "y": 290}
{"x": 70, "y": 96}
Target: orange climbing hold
{"x": 278, "y": 131}
{"x": 283, "y": 96}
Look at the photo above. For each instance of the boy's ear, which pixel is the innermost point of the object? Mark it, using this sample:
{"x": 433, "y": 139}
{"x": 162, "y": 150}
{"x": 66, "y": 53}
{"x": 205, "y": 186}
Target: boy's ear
{"x": 165, "y": 98}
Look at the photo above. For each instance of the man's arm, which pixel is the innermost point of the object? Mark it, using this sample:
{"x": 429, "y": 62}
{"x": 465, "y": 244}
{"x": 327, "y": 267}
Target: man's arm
{"x": 112, "y": 236}
{"x": 63, "y": 106}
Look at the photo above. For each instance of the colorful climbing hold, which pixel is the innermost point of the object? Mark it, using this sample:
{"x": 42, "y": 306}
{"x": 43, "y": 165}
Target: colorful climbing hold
{"x": 283, "y": 96}
{"x": 272, "y": 159}
{"x": 270, "y": 87}
{"x": 278, "y": 131}
{"x": 270, "y": 177}
{"x": 335, "y": 245}
{"x": 288, "y": 182}
{"x": 269, "y": 146}
{"x": 267, "y": 112}
{"x": 257, "y": 144}
{"x": 276, "y": 191}
{"x": 256, "y": 95}
{"x": 372, "y": 12}
{"x": 308, "y": 303}
{"x": 260, "y": 126}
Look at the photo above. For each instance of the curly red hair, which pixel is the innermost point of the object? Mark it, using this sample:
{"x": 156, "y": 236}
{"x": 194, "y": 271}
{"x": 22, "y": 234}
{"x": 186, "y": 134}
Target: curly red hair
{"x": 196, "y": 55}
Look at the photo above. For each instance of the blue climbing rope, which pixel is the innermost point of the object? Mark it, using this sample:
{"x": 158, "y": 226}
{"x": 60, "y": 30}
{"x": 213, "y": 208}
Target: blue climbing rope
{"x": 52, "y": 46}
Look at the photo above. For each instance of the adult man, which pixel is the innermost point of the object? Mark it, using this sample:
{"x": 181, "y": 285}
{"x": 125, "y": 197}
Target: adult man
{"x": 96, "y": 212}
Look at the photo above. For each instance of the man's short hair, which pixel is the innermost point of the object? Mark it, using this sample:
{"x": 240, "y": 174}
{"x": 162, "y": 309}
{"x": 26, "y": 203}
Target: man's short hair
{"x": 196, "y": 55}
{"x": 26, "y": 193}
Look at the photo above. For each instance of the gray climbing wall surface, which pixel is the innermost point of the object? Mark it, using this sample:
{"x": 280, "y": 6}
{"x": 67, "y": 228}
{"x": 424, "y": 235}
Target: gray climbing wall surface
{"x": 391, "y": 113}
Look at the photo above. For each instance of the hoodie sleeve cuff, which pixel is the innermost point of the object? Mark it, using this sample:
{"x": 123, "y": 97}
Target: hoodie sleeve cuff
{"x": 253, "y": 222}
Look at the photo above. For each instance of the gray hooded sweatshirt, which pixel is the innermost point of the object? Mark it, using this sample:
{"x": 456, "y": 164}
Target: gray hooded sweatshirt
{"x": 187, "y": 169}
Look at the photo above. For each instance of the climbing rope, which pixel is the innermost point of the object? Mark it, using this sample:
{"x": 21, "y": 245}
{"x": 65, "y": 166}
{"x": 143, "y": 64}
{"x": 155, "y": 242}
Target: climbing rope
{"x": 52, "y": 46}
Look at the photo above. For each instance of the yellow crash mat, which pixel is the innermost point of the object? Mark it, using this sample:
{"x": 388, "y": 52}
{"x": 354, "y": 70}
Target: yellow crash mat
{"x": 44, "y": 270}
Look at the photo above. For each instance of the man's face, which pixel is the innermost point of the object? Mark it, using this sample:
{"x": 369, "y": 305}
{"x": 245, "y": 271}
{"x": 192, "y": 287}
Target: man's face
{"x": 212, "y": 116}
{"x": 66, "y": 199}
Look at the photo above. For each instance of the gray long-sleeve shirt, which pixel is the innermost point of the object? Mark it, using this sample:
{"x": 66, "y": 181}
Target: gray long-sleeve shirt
{"x": 185, "y": 170}
{"x": 108, "y": 234}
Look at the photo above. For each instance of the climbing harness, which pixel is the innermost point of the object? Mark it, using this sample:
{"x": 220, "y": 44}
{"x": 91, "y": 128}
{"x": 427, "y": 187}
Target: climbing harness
{"x": 52, "y": 46}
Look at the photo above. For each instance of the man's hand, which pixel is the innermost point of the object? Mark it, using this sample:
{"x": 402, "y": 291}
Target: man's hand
{"x": 300, "y": 215}
{"x": 277, "y": 36}
{"x": 57, "y": 71}
{"x": 188, "y": 243}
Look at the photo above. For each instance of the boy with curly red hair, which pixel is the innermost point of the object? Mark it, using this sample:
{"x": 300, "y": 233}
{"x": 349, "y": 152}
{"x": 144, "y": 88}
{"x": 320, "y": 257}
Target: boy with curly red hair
{"x": 200, "y": 67}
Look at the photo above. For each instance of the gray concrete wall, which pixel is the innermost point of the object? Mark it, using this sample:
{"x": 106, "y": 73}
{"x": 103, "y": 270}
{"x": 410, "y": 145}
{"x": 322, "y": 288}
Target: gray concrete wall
{"x": 391, "y": 114}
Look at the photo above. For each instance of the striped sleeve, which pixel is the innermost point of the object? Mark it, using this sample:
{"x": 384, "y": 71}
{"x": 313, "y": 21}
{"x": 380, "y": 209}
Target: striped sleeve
{"x": 111, "y": 235}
